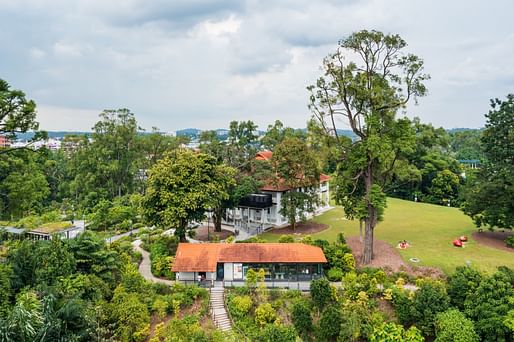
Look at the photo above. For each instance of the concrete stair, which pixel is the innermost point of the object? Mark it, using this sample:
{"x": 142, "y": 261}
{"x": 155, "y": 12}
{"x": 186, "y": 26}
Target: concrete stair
{"x": 218, "y": 311}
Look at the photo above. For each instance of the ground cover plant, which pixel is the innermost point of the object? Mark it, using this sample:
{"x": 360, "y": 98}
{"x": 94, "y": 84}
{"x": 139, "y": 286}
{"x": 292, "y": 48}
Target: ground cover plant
{"x": 428, "y": 228}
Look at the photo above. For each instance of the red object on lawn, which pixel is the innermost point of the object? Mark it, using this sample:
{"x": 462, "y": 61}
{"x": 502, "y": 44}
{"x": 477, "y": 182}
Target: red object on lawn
{"x": 457, "y": 243}
{"x": 463, "y": 238}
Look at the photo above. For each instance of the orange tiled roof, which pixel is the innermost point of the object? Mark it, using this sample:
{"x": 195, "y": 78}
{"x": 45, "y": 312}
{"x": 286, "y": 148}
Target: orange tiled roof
{"x": 264, "y": 155}
{"x": 203, "y": 257}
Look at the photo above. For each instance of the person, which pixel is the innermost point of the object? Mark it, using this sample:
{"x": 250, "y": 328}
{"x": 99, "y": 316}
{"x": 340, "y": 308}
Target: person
{"x": 199, "y": 278}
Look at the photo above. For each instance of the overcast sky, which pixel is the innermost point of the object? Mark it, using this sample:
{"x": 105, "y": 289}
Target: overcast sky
{"x": 201, "y": 63}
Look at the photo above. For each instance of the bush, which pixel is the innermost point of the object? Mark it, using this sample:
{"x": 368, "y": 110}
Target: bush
{"x": 321, "y": 292}
{"x": 462, "y": 283}
{"x": 265, "y": 314}
{"x": 510, "y": 241}
{"x": 286, "y": 239}
{"x": 240, "y": 305}
{"x": 329, "y": 324}
{"x": 453, "y": 326}
{"x": 390, "y": 332}
{"x": 489, "y": 305}
{"x": 429, "y": 300}
{"x": 301, "y": 317}
{"x": 276, "y": 333}
{"x": 402, "y": 306}
{"x": 335, "y": 274}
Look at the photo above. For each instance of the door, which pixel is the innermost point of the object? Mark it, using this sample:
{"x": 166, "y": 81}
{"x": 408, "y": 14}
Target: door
{"x": 220, "y": 272}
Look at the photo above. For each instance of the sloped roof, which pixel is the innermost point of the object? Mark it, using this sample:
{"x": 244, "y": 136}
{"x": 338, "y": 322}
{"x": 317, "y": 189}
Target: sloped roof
{"x": 203, "y": 257}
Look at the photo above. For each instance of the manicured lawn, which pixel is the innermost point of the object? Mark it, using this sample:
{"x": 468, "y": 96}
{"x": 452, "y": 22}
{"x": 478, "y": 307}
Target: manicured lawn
{"x": 430, "y": 230}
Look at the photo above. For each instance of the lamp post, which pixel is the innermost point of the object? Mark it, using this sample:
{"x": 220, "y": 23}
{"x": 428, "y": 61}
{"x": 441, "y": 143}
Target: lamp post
{"x": 209, "y": 215}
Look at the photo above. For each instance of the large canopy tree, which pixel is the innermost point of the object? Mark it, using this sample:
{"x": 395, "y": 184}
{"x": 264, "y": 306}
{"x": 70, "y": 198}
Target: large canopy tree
{"x": 365, "y": 83}
{"x": 17, "y": 114}
{"x": 296, "y": 166}
{"x": 182, "y": 186}
{"x": 489, "y": 195}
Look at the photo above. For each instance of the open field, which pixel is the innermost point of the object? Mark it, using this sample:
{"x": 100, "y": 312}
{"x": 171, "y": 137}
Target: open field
{"x": 430, "y": 229}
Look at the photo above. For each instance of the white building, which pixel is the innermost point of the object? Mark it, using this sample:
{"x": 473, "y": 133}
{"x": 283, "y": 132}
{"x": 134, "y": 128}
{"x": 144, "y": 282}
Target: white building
{"x": 262, "y": 210}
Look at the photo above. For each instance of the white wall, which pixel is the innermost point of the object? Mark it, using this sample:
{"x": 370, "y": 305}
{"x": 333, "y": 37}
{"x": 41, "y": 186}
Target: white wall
{"x": 228, "y": 271}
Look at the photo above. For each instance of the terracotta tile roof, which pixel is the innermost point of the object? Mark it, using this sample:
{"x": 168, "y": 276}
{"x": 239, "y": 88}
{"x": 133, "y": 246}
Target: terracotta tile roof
{"x": 324, "y": 178}
{"x": 203, "y": 257}
{"x": 264, "y": 155}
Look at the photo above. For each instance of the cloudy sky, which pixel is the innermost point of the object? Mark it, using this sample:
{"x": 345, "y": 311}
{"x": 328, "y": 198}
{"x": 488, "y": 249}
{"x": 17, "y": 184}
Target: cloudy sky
{"x": 202, "y": 63}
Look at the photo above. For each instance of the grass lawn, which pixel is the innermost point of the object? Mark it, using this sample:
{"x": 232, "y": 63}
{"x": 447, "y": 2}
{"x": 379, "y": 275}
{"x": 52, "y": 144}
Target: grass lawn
{"x": 430, "y": 229}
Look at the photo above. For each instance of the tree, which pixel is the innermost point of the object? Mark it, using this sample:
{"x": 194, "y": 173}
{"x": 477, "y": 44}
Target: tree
{"x": 17, "y": 114}
{"x": 182, "y": 186}
{"x": 461, "y": 284}
{"x": 429, "y": 300}
{"x": 488, "y": 306}
{"x": 489, "y": 198}
{"x": 330, "y": 324}
{"x": 453, "y": 326}
{"x": 238, "y": 151}
{"x": 445, "y": 187}
{"x": 301, "y": 317}
{"x": 367, "y": 80}
{"x": 321, "y": 292}
{"x": 277, "y": 133}
{"x": 297, "y": 168}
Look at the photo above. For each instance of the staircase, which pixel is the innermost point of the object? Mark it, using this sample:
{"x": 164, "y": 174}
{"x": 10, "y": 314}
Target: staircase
{"x": 218, "y": 312}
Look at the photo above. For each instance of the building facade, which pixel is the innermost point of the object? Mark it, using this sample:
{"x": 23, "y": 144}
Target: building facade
{"x": 281, "y": 262}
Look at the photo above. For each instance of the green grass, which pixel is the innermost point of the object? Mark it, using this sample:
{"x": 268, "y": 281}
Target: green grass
{"x": 53, "y": 227}
{"x": 430, "y": 229}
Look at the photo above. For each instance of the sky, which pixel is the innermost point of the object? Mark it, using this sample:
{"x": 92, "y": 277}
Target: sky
{"x": 201, "y": 63}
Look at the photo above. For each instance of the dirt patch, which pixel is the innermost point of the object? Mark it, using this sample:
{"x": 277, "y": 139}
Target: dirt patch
{"x": 390, "y": 260}
{"x": 202, "y": 233}
{"x": 301, "y": 228}
{"x": 494, "y": 239}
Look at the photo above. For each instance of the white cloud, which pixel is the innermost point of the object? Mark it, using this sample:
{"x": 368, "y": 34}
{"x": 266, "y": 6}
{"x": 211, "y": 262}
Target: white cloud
{"x": 203, "y": 63}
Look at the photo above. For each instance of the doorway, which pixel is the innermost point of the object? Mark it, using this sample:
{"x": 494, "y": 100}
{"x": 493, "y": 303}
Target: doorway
{"x": 220, "y": 272}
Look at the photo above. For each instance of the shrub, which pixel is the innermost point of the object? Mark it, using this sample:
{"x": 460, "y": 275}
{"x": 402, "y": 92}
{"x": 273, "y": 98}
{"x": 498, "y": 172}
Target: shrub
{"x": 390, "y": 332}
{"x": 429, "y": 300}
{"x": 240, "y": 305}
{"x": 489, "y": 305}
{"x": 402, "y": 306}
{"x": 329, "y": 324}
{"x": 276, "y": 333}
{"x": 510, "y": 241}
{"x": 321, "y": 292}
{"x": 301, "y": 317}
{"x": 160, "y": 307}
{"x": 462, "y": 283}
{"x": 265, "y": 314}
{"x": 286, "y": 239}
{"x": 334, "y": 274}
{"x": 453, "y": 326}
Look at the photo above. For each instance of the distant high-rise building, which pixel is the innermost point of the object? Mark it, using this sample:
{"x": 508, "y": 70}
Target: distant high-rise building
{"x": 4, "y": 142}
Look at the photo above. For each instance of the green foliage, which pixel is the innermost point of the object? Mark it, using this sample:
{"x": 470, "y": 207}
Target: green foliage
{"x": 286, "y": 239}
{"x": 329, "y": 325}
{"x": 181, "y": 187}
{"x": 488, "y": 305}
{"x": 321, "y": 292}
{"x": 429, "y": 300}
{"x": 354, "y": 283}
{"x": 445, "y": 187}
{"x": 489, "y": 197}
{"x": 369, "y": 108}
{"x": 296, "y": 166}
{"x": 276, "y": 333}
{"x": 463, "y": 282}
{"x": 453, "y": 326}
{"x": 335, "y": 274}
{"x": 509, "y": 242}
{"x": 301, "y": 317}
{"x": 240, "y": 305}
{"x": 265, "y": 314}
{"x": 130, "y": 314}
{"x": 389, "y": 332}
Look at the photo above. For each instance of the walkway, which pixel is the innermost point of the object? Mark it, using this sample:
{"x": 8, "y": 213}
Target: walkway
{"x": 113, "y": 238}
{"x": 145, "y": 268}
{"x": 218, "y": 311}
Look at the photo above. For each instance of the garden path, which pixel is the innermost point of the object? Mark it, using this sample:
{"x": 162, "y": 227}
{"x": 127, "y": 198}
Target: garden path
{"x": 145, "y": 268}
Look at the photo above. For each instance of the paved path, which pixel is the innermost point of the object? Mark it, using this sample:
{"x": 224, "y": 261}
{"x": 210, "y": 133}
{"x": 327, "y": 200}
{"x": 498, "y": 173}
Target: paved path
{"x": 145, "y": 268}
{"x": 119, "y": 236}
{"x": 218, "y": 311}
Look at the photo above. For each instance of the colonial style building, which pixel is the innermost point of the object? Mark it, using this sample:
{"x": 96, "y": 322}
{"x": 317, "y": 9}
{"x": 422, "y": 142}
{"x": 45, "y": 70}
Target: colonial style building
{"x": 262, "y": 210}
{"x": 281, "y": 262}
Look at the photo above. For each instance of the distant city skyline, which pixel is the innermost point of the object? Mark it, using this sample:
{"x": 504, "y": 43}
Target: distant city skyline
{"x": 201, "y": 64}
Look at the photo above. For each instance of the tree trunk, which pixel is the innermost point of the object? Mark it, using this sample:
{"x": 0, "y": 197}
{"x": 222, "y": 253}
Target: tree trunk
{"x": 370, "y": 220}
{"x": 181, "y": 231}
{"x": 360, "y": 229}
{"x": 217, "y": 215}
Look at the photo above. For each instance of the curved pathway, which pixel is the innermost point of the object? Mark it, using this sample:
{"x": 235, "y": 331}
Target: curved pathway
{"x": 145, "y": 268}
